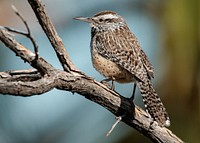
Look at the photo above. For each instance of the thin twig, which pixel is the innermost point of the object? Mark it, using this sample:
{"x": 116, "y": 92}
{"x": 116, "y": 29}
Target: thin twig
{"x": 118, "y": 119}
{"x": 28, "y": 34}
{"x": 14, "y": 30}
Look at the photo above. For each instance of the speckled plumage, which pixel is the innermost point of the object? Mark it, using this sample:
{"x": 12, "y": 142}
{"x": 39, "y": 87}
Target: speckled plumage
{"x": 117, "y": 55}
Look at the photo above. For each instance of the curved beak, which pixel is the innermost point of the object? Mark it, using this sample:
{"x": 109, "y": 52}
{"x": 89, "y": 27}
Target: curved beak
{"x": 85, "y": 19}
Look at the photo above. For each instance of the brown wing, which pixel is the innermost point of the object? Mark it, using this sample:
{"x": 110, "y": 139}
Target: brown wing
{"x": 123, "y": 48}
{"x": 148, "y": 66}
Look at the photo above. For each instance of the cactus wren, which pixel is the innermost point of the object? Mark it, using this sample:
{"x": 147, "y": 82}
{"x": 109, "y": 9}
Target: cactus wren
{"x": 117, "y": 55}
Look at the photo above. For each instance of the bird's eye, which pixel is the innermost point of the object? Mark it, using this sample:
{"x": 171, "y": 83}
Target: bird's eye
{"x": 100, "y": 20}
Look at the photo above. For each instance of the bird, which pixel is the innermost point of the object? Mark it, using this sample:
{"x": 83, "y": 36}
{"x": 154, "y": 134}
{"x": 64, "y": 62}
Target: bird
{"x": 117, "y": 55}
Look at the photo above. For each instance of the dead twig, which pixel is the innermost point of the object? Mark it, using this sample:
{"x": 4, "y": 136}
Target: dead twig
{"x": 27, "y": 34}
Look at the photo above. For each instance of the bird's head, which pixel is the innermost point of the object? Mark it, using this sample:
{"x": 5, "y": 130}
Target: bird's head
{"x": 104, "y": 20}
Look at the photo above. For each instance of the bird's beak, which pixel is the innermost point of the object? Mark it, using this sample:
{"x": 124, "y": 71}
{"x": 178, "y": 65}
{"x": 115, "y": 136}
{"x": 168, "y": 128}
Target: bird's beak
{"x": 85, "y": 19}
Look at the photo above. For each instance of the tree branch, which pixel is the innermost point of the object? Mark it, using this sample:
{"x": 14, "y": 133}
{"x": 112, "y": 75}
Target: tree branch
{"x": 45, "y": 77}
{"x": 52, "y": 35}
{"x": 28, "y": 34}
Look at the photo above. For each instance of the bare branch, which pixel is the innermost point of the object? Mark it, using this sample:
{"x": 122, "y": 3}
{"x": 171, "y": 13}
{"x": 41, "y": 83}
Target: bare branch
{"x": 28, "y": 56}
{"x": 52, "y": 35}
{"x": 20, "y": 75}
{"x": 26, "y": 88}
{"x": 14, "y": 30}
{"x": 24, "y": 72}
{"x": 28, "y": 34}
{"x": 20, "y": 50}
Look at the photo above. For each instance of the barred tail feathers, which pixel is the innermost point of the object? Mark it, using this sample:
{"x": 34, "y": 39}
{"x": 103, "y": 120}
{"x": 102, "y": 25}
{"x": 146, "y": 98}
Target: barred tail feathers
{"x": 153, "y": 103}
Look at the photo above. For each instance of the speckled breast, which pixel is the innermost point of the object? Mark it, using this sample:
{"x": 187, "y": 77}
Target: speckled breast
{"x": 110, "y": 69}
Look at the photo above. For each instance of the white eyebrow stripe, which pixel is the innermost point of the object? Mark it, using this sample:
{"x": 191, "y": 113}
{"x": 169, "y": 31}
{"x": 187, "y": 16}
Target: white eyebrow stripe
{"x": 109, "y": 16}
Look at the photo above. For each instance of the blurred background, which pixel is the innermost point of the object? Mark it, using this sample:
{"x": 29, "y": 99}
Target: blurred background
{"x": 168, "y": 31}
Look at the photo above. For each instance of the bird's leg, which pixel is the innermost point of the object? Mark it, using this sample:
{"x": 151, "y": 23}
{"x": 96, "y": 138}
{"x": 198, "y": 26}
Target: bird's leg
{"x": 113, "y": 86}
{"x": 105, "y": 82}
{"x": 133, "y": 94}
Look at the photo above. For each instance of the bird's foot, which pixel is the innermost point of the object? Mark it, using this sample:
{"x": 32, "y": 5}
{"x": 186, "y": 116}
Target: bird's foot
{"x": 105, "y": 82}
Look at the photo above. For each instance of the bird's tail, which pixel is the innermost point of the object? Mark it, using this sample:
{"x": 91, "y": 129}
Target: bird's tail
{"x": 153, "y": 103}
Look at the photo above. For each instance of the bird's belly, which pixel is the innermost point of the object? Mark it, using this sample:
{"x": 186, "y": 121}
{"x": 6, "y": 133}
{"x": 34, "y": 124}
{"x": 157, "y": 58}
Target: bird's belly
{"x": 111, "y": 70}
